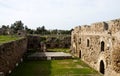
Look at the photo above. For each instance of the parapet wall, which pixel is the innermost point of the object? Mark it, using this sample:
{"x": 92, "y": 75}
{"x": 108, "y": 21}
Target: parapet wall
{"x": 100, "y": 27}
{"x": 98, "y": 45}
{"x": 11, "y": 54}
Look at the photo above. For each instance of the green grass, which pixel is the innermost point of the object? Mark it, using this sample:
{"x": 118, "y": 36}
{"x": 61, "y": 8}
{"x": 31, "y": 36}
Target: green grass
{"x": 59, "y": 50}
{"x": 67, "y": 67}
{"x": 7, "y": 38}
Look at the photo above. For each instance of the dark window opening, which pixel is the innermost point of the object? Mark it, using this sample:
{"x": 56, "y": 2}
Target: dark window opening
{"x": 80, "y": 41}
{"x": 102, "y": 46}
{"x": 80, "y": 54}
{"x": 106, "y": 26}
{"x": 19, "y": 33}
{"x": 102, "y": 67}
{"x": 88, "y": 42}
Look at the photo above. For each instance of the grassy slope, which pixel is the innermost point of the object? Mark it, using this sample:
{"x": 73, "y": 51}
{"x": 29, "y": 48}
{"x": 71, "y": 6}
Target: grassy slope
{"x": 6, "y": 38}
{"x": 53, "y": 68}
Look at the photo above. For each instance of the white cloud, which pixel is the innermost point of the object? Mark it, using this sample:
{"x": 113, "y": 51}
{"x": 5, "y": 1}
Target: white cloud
{"x": 60, "y": 14}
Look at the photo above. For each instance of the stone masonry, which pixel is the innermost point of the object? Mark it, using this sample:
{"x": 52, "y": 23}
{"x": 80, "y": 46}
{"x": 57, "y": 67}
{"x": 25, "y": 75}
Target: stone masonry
{"x": 11, "y": 55}
{"x": 39, "y": 43}
{"x": 98, "y": 45}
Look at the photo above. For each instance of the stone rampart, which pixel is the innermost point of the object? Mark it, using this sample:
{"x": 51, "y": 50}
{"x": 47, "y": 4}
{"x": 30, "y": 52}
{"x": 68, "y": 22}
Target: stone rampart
{"x": 11, "y": 54}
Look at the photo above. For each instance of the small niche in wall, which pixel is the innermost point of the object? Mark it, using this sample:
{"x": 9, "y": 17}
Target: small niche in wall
{"x": 80, "y": 41}
{"x": 106, "y": 26}
{"x": 102, "y": 46}
{"x": 113, "y": 39}
{"x": 88, "y": 43}
{"x": 80, "y": 54}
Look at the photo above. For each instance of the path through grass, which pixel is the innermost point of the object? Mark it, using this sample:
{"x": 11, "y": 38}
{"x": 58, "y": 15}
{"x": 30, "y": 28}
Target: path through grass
{"x": 67, "y": 67}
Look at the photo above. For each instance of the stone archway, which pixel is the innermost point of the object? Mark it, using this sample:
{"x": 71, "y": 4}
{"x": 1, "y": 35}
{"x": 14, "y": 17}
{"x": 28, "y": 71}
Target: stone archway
{"x": 102, "y": 67}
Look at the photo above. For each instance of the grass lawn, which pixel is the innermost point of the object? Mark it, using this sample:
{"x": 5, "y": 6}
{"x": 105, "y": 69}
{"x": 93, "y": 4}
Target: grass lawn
{"x": 66, "y": 50}
{"x": 67, "y": 67}
{"x": 7, "y": 38}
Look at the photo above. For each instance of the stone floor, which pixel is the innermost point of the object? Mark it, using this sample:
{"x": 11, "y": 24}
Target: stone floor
{"x": 50, "y": 55}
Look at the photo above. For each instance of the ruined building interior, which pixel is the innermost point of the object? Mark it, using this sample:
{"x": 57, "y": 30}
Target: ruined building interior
{"x": 98, "y": 45}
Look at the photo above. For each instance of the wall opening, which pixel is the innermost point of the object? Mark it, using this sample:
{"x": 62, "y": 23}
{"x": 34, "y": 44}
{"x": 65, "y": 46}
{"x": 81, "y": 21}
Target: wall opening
{"x": 106, "y": 26}
{"x": 80, "y": 54}
{"x": 80, "y": 41}
{"x": 88, "y": 42}
{"x": 102, "y": 46}
{"x": 102, "y": 67}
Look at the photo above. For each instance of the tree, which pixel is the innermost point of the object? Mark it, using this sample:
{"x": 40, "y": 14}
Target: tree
{"x": 18, "y": 25}
{"x": 5, "y": 27}
{"x": 41, "y": 30}
{"x": 54, "y": 31}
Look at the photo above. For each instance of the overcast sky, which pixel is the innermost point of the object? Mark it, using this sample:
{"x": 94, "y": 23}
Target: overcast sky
{"x": 58, "y": 14}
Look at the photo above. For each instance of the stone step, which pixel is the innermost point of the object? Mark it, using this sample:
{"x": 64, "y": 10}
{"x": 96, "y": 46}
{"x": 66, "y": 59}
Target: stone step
{"x": 49, "y": 56}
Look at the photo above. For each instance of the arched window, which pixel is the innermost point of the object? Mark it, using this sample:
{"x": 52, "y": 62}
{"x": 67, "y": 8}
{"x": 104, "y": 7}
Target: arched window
{"x": 102, "y": 46}
{"x": 102, "y": 67}
{"x": 88, "y": 42}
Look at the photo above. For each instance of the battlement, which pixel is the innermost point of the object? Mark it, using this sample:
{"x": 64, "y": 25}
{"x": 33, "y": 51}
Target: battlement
{"x": 100, "y": 27}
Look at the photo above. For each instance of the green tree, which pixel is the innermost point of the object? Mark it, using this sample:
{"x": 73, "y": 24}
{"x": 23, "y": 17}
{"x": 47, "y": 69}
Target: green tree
{"x": 18, "y": 25}
{"x": 41, "y": 30}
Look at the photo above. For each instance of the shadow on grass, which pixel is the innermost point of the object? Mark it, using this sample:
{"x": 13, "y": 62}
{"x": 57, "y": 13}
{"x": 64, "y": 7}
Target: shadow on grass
{"x": 69, "y": 67}
{"x": 66, "y": 67}
{"x": 33, "y": 68}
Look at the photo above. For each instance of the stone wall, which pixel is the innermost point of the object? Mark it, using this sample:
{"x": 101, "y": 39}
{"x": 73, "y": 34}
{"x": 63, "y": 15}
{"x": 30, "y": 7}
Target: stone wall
{"x": 97, "y": 45}
{"x": 34, "y": 43}
{"x": 58, "y": 42}
{"x": 38, "y": 42}
{"x": 11, "y": 54}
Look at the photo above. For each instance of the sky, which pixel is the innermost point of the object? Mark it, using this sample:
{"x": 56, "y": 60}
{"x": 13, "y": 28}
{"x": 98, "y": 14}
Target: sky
{"x": 58, "y": 14}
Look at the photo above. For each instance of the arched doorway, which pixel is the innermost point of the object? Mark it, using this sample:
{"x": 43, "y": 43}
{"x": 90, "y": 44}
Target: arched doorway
{"x": 102, "y": 46}
{"x": 102, "y": 67}
{"x": 80, "y": 54}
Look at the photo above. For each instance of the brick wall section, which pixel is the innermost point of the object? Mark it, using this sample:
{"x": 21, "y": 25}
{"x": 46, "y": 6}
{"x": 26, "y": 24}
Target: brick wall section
{"x": 11, "y": 53}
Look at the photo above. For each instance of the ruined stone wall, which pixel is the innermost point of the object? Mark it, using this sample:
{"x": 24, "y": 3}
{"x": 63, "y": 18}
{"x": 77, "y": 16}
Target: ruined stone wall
{"x": 97, "y": 44}
{"x": 34, "y": 43}
{"x": 58, "y": 42}
{"x": 37, "y": 42}
{"x": 11, "y": 54}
